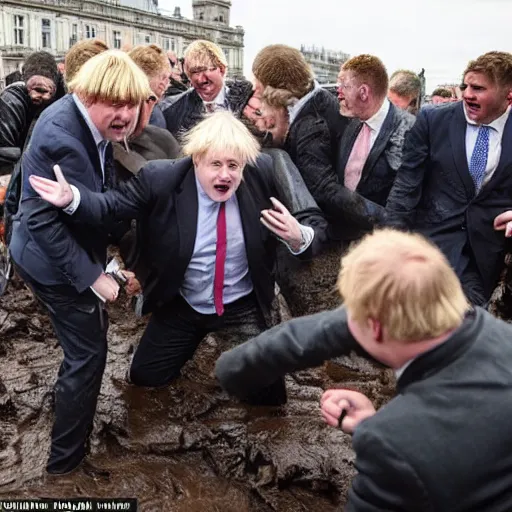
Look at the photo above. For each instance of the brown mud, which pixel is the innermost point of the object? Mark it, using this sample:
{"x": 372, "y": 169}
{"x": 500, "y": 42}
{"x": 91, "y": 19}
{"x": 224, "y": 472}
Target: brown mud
{"x": 188, "y": 447}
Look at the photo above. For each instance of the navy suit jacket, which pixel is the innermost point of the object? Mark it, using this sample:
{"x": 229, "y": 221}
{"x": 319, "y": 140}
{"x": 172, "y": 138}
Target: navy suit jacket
{"x": 163, "y": 196}
{"x": 435, "y": 195}
{"x": 48, "y": 244}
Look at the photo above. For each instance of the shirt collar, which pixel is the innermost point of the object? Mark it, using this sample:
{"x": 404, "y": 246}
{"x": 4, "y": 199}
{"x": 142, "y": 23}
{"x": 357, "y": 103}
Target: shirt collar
{"x": 497, "y": 124}
{"x": 95, "y": 132}
{"x": 377, "y": 120}
{"x": 293, "y": 110}
{"x": 399, "y": 371}
{"x": 220, "y": 99}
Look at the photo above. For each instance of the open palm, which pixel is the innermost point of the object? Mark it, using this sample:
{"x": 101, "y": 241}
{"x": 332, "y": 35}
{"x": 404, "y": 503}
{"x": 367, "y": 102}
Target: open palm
{"x": 58, "y": 192}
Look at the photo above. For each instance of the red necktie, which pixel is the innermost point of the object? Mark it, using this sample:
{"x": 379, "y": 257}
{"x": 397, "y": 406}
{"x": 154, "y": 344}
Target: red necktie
{"x": 220, "y": 260}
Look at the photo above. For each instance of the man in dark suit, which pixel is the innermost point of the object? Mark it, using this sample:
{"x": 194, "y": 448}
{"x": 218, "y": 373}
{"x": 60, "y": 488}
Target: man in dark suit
{"x": 63, "y": 261}
{"x": 206, "y": 66}
{"x": 371, "y": 147}
{"x": 209, "y": 242}
{"x": 456, "y": 175}
{"x": 283, "y": 78}
{"x": 443, "y": 443}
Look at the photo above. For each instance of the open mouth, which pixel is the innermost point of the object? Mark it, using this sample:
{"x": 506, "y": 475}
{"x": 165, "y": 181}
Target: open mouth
{"x": 472, "y": 108}
{"x": 221, "y": 188}
{"x": 118, "y": 127}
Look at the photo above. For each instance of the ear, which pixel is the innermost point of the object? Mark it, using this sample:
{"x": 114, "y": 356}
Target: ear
{"x": 223, "y": 70}
{"x": 376, "y": 327}
{"x": 364, "y": 92}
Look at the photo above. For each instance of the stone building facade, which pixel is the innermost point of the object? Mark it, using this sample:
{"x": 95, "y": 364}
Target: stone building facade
{"x": 55, "y": 25}
{"x": 325, "y": 63}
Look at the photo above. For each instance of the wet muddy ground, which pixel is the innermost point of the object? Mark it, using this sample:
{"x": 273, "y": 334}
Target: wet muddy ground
{"x": 188, "y": 447}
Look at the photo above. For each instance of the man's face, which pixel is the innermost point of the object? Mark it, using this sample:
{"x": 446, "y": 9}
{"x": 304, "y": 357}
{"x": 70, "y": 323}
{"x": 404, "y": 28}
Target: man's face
{"x": 348, "y": 94}
{"x": 160, "y": 82}
{"x": 219, "y": 174}
{"x": 41, "y": 90}
{"x": 407, "y": 103}
{"x": 437, "y": 100}
{"x": 484, "y": 100}
{"x": 258, "y": 88}
{"x": 113, "y": 120}
{"x": 207, "y": 80}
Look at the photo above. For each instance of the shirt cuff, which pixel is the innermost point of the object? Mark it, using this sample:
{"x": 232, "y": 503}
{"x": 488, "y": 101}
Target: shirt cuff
{"x": 96, "y": 293}
{"x": 307, "y": 234}
{"x": 75, "y": 203}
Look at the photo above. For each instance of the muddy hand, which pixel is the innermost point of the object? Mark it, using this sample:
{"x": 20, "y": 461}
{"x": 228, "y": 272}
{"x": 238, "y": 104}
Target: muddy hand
{"x": 58, "y": 192}
{"x": 132, "y": 286}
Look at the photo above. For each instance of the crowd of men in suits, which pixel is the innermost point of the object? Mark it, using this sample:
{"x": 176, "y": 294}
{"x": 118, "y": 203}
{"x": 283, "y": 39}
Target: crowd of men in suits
{"x": 221, "y": 175}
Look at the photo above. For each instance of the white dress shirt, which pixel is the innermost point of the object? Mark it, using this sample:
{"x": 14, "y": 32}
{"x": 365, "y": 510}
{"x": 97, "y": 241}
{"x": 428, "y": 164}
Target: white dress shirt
{"x": 497, "y": 128}
{"x": 220, "y": 101}
{"x": 377, "y": 120}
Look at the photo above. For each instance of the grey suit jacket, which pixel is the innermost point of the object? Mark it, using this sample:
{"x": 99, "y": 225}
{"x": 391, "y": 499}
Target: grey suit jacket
{"x": 442, "y": 445}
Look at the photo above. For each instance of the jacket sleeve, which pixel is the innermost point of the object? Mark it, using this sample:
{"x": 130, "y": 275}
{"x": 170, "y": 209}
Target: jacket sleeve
{"x": 14, "y": 112}
{"x": 385, "y": 480}
{"x": 47, "y": 225}
{"x": 129, "y": 201}
{"x": 294, "y": 345}
{"x": 314, "y": 161}
{"x": 408, "y": 186}
{"x": 293, "y": 193}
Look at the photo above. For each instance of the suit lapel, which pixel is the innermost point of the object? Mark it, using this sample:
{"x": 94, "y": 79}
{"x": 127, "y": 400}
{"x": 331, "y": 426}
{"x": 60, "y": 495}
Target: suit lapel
{"x": 505, "y": 160}
{"x": 92, "y": 149}
{"x": 458, "y": 143}
{"x": 186, "y": 218}
{"x": 346, "y": 144}
{"x": 251, "y": 225}
{"x": 388, "y": 127}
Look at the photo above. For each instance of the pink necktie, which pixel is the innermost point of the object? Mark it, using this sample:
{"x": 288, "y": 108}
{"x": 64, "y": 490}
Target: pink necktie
{"x": 357, "y": 158}
{"x": 220, "y": 261}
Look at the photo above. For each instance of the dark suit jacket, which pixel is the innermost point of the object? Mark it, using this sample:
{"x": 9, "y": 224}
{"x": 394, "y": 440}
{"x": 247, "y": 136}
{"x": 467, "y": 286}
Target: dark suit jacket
{"x": 184, "y": 111}
{"x": 435, "y": 195}
{"x": 313, "y": 143}
{"x": 164, "y": 197}
{"x": 442, "y": 445}
{"x": 385, "y": 156}
{"x": 48, "y": 244}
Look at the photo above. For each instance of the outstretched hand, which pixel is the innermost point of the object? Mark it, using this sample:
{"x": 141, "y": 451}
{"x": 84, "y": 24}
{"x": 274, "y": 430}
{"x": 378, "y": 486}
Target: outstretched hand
{"x": 503, "y": 222}
{"x": 282, "y": 223}
{"x": 58, "y": 192}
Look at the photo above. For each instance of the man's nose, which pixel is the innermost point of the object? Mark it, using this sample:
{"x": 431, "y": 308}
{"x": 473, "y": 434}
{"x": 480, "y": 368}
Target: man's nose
{"x": 224, "y": 172}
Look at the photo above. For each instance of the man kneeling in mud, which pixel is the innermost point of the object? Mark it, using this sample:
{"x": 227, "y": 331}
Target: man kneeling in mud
{"x": 209, "y": 242}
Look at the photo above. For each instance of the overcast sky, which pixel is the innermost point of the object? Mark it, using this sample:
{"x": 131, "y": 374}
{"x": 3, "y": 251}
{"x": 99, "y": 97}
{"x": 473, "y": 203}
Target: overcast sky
{"x": 438, "y": 35}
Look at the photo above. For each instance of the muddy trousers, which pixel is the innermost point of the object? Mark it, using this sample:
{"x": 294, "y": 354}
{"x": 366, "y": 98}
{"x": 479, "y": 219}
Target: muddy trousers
{"x": 174, "y": 333}
{"x": 80, "y": 324}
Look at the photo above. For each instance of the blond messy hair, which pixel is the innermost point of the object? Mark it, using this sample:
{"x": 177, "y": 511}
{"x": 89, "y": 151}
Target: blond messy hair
{"x": 204, "y": 53}
{"x": 111, "y": 76}
{"x": 404, "y": 282}
{"x": 221, "y": 133}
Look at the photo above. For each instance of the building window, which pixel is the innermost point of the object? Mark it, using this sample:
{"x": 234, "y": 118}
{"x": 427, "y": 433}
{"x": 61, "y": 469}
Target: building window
{"x": 221, "y": 18}
{"x": 19, "y": 30}
{"x": 166, "y": 43}
{"x": 201, "y": 16}
{"x": 46, "y": 33}
{"x": 117, "y": 40}
{"x": 74, "y": 34}
{"x": 147, "y": 39}
{"x": 90, "y": 31}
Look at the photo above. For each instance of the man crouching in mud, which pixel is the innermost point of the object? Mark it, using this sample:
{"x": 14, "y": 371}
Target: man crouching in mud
{"x": 443, "y": 444}
{"x": 208, "y": 242}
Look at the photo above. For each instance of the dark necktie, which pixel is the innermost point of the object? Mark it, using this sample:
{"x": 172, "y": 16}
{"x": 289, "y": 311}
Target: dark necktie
{"x": 108, "y": 167}
{"x": 220, "y": 260}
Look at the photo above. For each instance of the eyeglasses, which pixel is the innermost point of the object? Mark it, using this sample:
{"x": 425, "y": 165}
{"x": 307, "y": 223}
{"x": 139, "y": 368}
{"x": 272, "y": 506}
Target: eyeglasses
{"x": 343, "y": 85}
{"x": 257, "y": 111}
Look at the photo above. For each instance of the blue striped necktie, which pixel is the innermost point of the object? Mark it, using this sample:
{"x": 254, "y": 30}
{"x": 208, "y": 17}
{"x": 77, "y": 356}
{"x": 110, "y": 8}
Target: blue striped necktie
{"x": 478, "y": 162}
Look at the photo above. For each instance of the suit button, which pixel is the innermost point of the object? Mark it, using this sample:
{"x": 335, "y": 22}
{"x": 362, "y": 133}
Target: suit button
{"x": 463, "y": 227}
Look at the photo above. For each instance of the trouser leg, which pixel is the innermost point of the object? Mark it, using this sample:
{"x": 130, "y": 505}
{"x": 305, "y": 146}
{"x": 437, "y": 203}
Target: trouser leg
{"x": 80, "y": 324}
